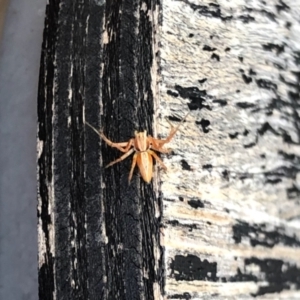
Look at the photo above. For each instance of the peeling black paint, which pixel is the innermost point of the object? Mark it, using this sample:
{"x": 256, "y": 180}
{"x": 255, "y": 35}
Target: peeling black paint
{"x": 266, "y": 84}
{"x": 278, "y": 66}
{"x": 264, "y": 12}
{"x": 207, "y": 167}
{"x": 250, "y": 145}
{"x": 297, "y": 57}
{"x": 246, "y": 18}
{"x": 293, "y": 192}
{"x": 222, "y": 102}
{"x": 208, "y": 48}
{"x": 174, "y": 119}
{"x": 245, "y": 176}
{"x": 266, "y": 127}
{"x": 204, "y": 124}
{"x": 284, "y": 171}
{"x": 270, "y": 47}
{"x": 171, "y": 153}
{"x": 227, "y": 49}
{"x": 176, "y": 223}
{"x": 287, "y": 82}
{"x": 241, "y": 277}
{"x": 269, "y": 15}
{"x": 191, "y": 267}
{"x": 275, "y": 103}
{"x": 273, "y": 180}
{"x": 278, "y": 274}
{"x": 169, "y": 200}
{"x": 171, "y": 93}
{"x": 184, "y": 296}
{"x": 294, "y": 97}
{"x": 197, "y": 97}
{"x": 225, "y": 174}
{"x": 241, "y": 59}
{"x": 215, "y": 57}
{"x": 233, "y": 135}
{"x": 202, "y": 80}
{"x": 258, "y": 234}
{"x": 211, "y": 11}
{"x": 273, "y": 175}
{"x": 180, "y": 198}
{"x": 282, "y": 7}
{"x": 245, "y": 105}
{"x": 287, "y": 138}
{"x": 196, "y": 203}
{"x": 247, "y": 79}
{"x": 246, "y": 132}
{"x": 185, "y": 165}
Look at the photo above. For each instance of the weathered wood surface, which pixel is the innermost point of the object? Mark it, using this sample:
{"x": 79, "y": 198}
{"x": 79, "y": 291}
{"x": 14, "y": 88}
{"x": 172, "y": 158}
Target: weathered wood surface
{"x": 98, "y": 236}
{"x": 223, "y": 221}
{"x": 231, "y": 197}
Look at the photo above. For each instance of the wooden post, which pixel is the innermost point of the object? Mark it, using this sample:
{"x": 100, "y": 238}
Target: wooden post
{"x": 223, "y": 221}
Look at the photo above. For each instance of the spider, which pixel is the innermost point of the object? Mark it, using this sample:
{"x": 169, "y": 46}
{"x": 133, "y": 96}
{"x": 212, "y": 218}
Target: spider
{"x": 144, "y": 147}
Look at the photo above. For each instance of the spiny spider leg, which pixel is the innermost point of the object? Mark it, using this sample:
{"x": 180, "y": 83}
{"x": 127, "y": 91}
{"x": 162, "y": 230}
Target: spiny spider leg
{"x": 132, "y": 166}
{"x": 120, "y": 158}
{"x": 157, "y": 158}
{"x": 123, "y": 147}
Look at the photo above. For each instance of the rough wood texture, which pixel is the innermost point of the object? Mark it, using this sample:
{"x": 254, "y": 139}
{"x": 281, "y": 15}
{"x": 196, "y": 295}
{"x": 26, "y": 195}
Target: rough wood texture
{"x": 223, "y": 221}
{"x": 232, "y": 193}
{"x": 98, "y": 237}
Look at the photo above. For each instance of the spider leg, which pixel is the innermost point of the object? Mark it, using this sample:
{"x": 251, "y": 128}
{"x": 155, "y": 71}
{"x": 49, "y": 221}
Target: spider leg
{"x": 156, "y": 146}
{"x": 132, "y": 166}
{"x": 123, "y": 147}
{"x": 158, "y": 159}
{"x": 173, "y": 130}
{"x": 120, "y": 158}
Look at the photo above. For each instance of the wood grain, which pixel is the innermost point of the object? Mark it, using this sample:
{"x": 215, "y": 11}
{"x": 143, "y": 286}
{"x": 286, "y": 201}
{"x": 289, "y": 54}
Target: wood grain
{"x": 223, "y": 221}
{"x": 98, "y": 236}
{"x": 231, "y": 195}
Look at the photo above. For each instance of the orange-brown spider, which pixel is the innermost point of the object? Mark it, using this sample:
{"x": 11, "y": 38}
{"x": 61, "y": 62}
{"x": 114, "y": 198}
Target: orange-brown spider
{"x": 143, "y": 147}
